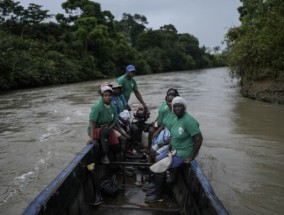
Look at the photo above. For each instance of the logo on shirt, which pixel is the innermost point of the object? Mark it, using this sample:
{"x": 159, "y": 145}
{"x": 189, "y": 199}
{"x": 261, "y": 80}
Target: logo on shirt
{"x": 180, "y": 130}
{"x": 112, "y": 115}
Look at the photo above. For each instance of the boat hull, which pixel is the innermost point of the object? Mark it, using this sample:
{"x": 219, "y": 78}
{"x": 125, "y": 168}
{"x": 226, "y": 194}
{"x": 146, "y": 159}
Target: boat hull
{"x": 72, "y": 190}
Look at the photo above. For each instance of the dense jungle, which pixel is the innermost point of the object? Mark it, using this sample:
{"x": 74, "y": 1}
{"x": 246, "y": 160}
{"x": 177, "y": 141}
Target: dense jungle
{"x": 86, "y": 43}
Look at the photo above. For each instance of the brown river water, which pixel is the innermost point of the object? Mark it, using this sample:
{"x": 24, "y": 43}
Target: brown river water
{"x": 41, "y": 130}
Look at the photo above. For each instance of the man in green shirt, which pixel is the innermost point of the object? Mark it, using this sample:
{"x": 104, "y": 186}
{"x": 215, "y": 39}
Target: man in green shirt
{"x": 129, "y": 84}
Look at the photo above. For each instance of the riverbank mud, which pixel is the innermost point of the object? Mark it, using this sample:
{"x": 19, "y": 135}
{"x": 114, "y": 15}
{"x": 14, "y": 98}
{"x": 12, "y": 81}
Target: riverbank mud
{"x": 267, "y": 91}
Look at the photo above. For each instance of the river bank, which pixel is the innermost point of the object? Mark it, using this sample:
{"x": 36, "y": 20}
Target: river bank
{"x": 271, "y": 91}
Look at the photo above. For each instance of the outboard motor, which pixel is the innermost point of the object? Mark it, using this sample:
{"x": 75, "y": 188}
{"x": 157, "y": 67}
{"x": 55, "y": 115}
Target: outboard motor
{"x": 141, "y": 115}
{"x": 139, "y": 119}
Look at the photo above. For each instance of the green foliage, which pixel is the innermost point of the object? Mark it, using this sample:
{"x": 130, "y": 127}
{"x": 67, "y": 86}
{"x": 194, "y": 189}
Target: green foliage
{"x": 87, "y": 43}
{"x": 256, "y": 48}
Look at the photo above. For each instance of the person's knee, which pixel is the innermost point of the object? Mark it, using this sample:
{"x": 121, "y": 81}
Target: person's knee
{"x": 122, "y": 139}
{"x": 104, "y": 132}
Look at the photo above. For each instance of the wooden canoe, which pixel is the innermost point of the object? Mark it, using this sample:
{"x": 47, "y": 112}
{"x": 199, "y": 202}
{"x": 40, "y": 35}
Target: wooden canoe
{"x": 71, "y": 192}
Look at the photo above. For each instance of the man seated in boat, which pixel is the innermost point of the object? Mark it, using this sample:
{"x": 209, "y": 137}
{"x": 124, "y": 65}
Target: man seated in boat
{"x": 102, "y": 119}
{"x": 122, "y": 108}
{"x": 186, "y": 140}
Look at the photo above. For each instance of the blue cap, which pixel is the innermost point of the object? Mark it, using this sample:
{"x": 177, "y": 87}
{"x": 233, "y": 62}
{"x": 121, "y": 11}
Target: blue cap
{"x": 130, "y": 68}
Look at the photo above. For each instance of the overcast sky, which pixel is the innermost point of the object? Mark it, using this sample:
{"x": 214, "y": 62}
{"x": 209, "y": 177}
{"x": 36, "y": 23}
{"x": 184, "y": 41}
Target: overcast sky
{"x": 207, "y": 20}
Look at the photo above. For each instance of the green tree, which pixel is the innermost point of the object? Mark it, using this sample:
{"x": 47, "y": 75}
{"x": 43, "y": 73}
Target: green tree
{"x": 256, "y": 47}
{"x": 132, "y": 26}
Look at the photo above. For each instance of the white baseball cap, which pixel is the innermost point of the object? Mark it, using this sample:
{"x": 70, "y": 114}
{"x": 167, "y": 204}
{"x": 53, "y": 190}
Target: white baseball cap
{"x": 106, "y": 88}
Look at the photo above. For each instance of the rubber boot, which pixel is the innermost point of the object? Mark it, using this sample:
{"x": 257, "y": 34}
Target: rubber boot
{"x": 159, "y": 181}
{"x": 97, "y": 189}
{"x": 148, "y": 186}
{"x": 104, "y": 135}
{"x": 150, "y": 192}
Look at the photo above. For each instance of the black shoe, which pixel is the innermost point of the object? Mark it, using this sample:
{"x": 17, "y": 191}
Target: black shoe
{"x": 97, "y": 202}
{"x": 130, "y": 168}
{"x": 154, "y": 198}
{"x": 128, "y": 173}
{"x": 150, "y": 192}
{"x": 148, "y": 186}
{"x": 105, "y": 160}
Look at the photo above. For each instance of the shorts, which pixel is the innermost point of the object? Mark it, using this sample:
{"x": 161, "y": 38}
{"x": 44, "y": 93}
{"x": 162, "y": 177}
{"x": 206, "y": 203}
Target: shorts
{"x": 112, "y": 137}
{"x": 117, "y": 132}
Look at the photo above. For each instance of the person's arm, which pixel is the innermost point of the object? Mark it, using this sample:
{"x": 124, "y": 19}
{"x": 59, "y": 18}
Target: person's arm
{"x": 164, "y": 143}
{"x": 124, "y": 121}
{"x": 160, "y": 128}
{"x": 197, "y": 139}
{"x": 119, "y": 129}
{"x": 127, "y": 107}
{"x": 92, "y": 129}
{"x": 140, "y": 99}
{"x": 112, "y": 125}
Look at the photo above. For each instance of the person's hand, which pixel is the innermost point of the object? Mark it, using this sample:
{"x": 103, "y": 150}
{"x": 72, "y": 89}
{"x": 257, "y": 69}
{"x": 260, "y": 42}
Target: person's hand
{"x": 90, "y": 141}
{"x": 124, "y": 121}
{"x": 155, "y": 135}
{"x": 128, "y": 107}
{"x": 145, "y": 107}
{"x": 188, "y": 160}
{"x": 160, "y": 145}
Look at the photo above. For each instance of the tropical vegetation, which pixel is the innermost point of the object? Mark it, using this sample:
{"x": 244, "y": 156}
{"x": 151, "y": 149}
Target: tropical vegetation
{"x": 256, "y": 50}
{"x": 256, "y": 47}
{"x": 87, "y": 43}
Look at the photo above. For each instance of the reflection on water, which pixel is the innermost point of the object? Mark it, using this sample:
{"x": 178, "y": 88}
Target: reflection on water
{"x": 42, "y": 129}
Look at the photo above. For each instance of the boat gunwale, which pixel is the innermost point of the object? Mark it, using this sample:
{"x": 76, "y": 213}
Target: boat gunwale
{"x": 44, "y": 196}
{"x": 214, "y": 200}
{"x": 41, "y": 201}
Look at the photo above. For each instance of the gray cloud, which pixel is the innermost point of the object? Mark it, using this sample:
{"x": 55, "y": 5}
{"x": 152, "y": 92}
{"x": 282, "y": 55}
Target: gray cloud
{"x": 207, "y": 20}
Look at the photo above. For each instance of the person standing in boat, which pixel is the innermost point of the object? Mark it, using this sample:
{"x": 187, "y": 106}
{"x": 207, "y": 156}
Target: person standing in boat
{"x": 186, "y": 140}
{"x": 129, "y": 85}
{"x": 102, "y": 119}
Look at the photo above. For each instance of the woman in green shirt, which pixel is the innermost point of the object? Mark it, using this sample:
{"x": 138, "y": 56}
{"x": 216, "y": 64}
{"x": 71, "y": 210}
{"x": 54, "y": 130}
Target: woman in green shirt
{"x": 186, "y": 139}
{"x": 163, "y": 112}
{"x": 103, "y": 118}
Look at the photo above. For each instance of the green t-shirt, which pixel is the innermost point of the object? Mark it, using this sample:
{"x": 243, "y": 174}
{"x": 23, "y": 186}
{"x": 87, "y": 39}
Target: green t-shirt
{"x": 163, "y": 110}
{"x": 169, "y": 119}
{"x": 101, "y": 115}
{"x": 182, "y": 131}
{"x": 128, "y": 85}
